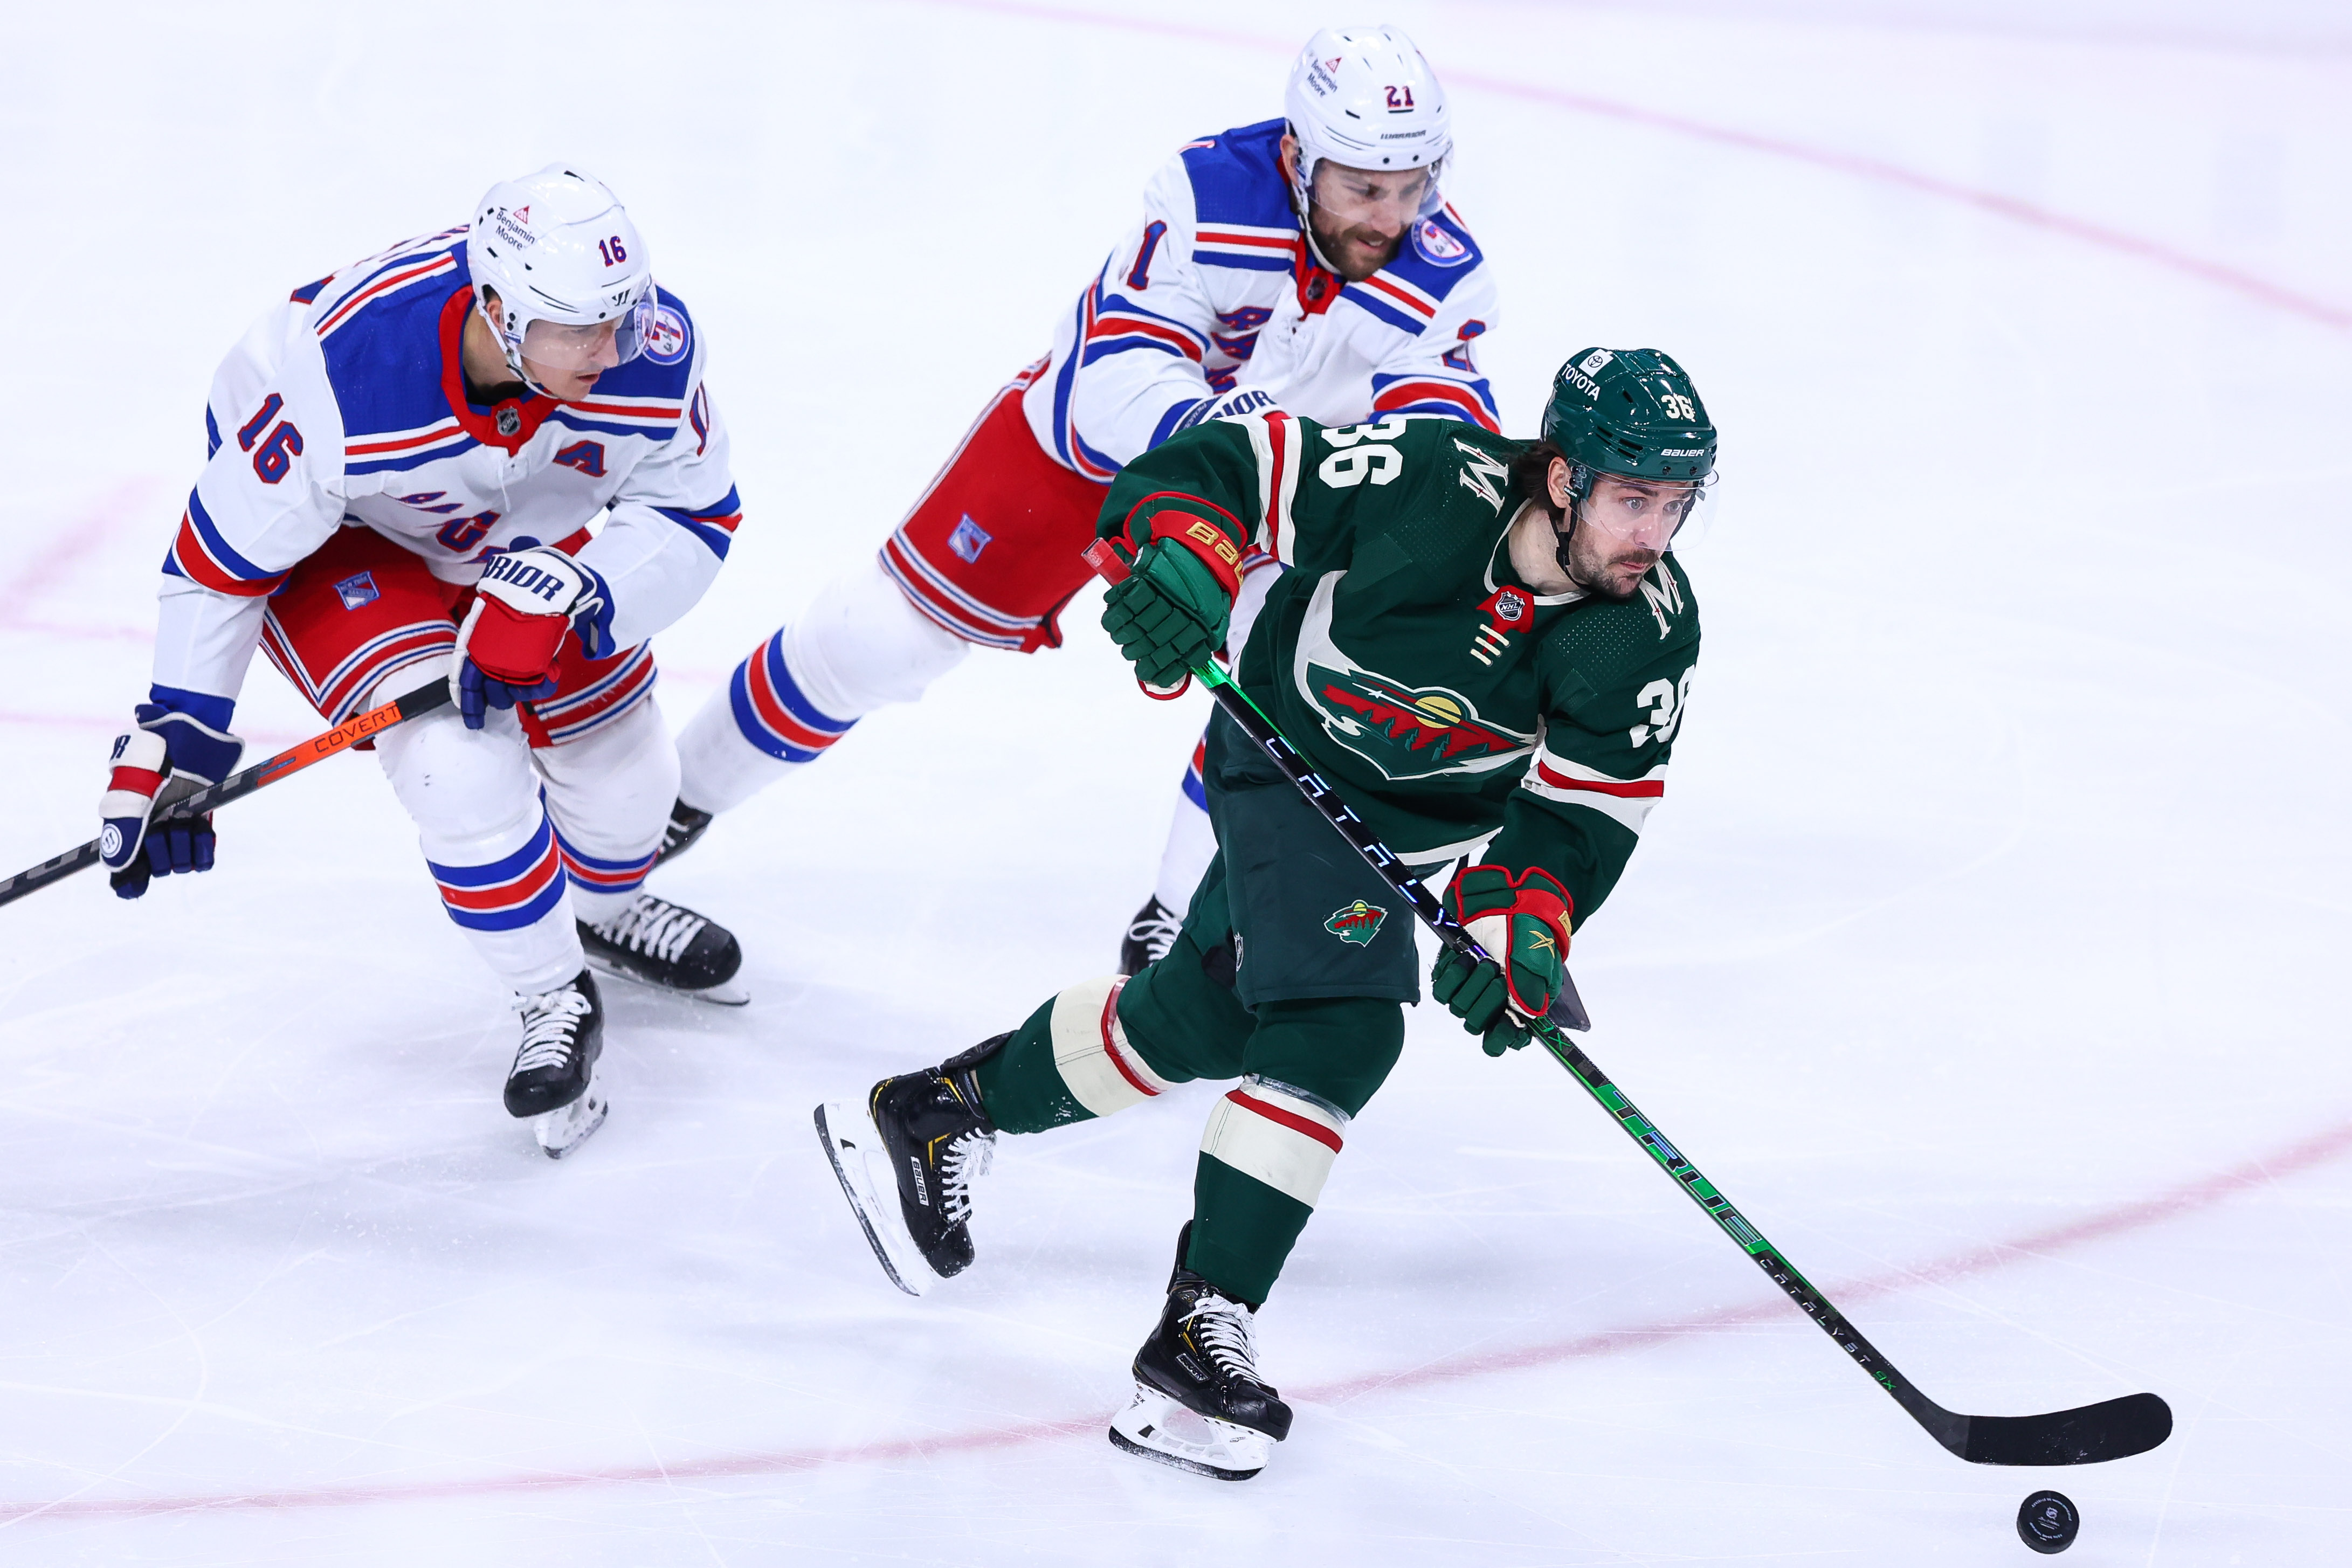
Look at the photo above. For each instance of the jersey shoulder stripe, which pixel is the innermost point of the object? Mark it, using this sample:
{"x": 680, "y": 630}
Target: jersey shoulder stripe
{"x": 395, "y": 449}
{"x": 1409, "y": 290}
{"x": 1468, "y": 399}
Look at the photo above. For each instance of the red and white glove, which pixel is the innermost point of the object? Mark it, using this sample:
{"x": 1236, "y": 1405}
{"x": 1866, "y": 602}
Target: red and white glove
{"x": 509, "y": 641}
{"x": 1521, "y": 920}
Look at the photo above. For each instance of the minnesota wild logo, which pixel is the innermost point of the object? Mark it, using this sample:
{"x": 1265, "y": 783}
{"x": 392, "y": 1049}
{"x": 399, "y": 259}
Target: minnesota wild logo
{"x": 1408, "y": 732}
{"x": 1356, "y": 923}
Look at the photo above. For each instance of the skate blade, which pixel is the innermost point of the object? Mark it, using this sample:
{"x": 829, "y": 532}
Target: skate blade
{"x": 1154, "y": 1426}
{"x": 867, "y": 1181}
{"x": 567, "y": 1127}
{"x": 728, "y": 993}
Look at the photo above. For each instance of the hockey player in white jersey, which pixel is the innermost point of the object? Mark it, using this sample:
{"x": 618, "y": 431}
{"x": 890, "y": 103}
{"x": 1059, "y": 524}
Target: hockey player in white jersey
{"x": 407, "y": 460}
{"x": 1307, "y": 263}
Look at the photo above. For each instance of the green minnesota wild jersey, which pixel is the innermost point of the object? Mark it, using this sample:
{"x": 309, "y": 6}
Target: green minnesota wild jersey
{"x": 1460, "y": 712}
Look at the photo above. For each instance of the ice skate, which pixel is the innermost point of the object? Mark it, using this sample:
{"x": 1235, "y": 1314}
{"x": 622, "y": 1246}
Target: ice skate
{"x": 669, "y": 946}
{"x": 907, "y": 1161}
{"x": 684, "y": 829}
{"x": 1199, "y": 1403}
{"x": 549, "y": 1085}
{"x": 1148, "y": 936}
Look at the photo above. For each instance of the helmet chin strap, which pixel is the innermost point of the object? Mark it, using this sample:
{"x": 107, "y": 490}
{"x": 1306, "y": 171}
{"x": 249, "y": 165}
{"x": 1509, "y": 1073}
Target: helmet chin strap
{"x": 1580, "y": 480}
{"x": 511, "y": 350}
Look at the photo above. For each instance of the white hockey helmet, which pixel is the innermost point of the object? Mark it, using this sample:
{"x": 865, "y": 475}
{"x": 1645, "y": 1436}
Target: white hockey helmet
{"x": 1364, "y": 98}
{"x": 561, "y": 252}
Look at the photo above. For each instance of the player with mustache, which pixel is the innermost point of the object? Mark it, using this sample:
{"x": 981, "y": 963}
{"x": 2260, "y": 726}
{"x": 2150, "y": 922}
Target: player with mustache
{"x": 1485, "y": 646}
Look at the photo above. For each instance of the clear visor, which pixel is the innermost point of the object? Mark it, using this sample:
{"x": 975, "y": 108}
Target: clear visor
{"x": 1640, "y": 514}
{"x": 1382, "y": 200}
{"x": 577, "y": 349}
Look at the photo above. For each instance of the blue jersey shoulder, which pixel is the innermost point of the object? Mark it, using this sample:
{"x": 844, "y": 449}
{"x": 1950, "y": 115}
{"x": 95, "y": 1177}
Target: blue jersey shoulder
{"x": 1237, "y": 177}
{"x": 664, "y": 365}
{"x": 1437, "y": 254}
{"x": 382, "y": 340}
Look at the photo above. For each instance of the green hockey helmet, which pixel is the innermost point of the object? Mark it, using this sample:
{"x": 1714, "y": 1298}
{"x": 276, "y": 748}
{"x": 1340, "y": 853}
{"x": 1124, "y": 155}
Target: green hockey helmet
{"x": 1632, "y": 412}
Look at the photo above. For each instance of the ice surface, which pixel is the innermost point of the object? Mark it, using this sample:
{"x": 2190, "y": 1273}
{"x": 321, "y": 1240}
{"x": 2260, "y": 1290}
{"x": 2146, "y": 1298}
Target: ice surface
{"x": 1989, "y": 949}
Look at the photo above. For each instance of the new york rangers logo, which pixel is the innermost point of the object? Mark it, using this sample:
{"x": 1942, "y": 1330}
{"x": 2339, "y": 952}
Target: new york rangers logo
{"x": 1438, "y": 247}
{"x": 357, "y": 590}
{"x": 666, "y": 338}
{"x": 1356, "y": 923}
{"x": 968, "y": 538}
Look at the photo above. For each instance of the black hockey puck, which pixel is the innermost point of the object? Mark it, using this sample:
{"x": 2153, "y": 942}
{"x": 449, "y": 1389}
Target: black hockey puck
{"x": 2047, "y": 1521}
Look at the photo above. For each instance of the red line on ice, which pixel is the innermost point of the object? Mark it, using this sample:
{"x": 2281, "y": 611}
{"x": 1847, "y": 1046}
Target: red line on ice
{"x": 2186, "y": 1198}
{"x": 75, "y": 540}
{"x": 2155, "y": 252}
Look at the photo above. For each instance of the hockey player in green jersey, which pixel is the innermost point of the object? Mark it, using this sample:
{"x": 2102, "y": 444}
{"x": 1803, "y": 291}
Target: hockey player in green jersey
{"x": 1485, "y": 646}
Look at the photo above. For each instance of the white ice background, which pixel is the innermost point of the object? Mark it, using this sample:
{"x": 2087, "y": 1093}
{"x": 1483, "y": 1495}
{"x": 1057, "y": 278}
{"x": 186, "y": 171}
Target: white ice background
{"x": 1987, "y": 949}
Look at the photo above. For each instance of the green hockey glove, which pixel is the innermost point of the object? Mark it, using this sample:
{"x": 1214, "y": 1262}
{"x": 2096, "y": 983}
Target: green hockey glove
{"x": 1524, "y": 920}
{"x": 1169, "y": 615}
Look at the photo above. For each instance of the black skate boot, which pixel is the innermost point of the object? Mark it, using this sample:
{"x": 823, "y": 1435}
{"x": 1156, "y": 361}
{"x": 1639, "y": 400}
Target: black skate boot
{"x": 562, "y": 1035}
{"x": 1149, "y": 936}
{"x": 907, "y": 1162}
{"x": 1199, "y": 1402}
{"x": 669, "y": 946}
{"x": 686, "y": 825}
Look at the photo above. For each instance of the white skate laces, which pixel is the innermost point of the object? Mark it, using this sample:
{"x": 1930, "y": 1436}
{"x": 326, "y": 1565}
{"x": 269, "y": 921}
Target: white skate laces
{"x": 654, "y": 928}
{"x": 1156, "y": 930}
{"x": 551, "y": 1024}
{"x": 967, "y": 1160}
{"x": 1222, "y": 1328}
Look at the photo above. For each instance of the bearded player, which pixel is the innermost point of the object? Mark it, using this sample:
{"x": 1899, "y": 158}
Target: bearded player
{"x": 407, "y": 460}
{"x": 1306, "y": 263}
{"x": 1484, "y": 646}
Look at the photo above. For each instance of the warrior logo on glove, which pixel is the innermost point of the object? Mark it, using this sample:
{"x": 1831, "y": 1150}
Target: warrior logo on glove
{"x": 512, "y": 638}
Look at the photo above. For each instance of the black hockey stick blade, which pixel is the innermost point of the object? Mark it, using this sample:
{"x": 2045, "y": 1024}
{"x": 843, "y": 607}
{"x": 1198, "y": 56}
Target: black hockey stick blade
{"x": 2091, "y": 1435}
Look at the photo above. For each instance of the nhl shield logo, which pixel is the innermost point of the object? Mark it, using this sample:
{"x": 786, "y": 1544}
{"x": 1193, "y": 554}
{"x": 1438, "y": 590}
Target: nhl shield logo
{"x": 1356, "y": 923}
{"x": 510, "y": 419}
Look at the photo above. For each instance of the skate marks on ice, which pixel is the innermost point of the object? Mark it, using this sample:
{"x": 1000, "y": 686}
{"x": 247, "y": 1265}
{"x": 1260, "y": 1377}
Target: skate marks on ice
{"x": 2178, "y": 1202}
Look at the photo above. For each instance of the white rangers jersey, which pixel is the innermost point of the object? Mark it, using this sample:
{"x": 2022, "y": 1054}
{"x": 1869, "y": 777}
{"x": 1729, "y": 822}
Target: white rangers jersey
{"x": 347, "y": 405}
{"x": 1215, "y": 290}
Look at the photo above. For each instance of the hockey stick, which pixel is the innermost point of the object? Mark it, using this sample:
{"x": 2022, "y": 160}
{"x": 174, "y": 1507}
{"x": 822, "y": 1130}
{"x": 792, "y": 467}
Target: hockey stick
{"x": 196, "y": 801}
{"x": 2090, "y": 1435}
